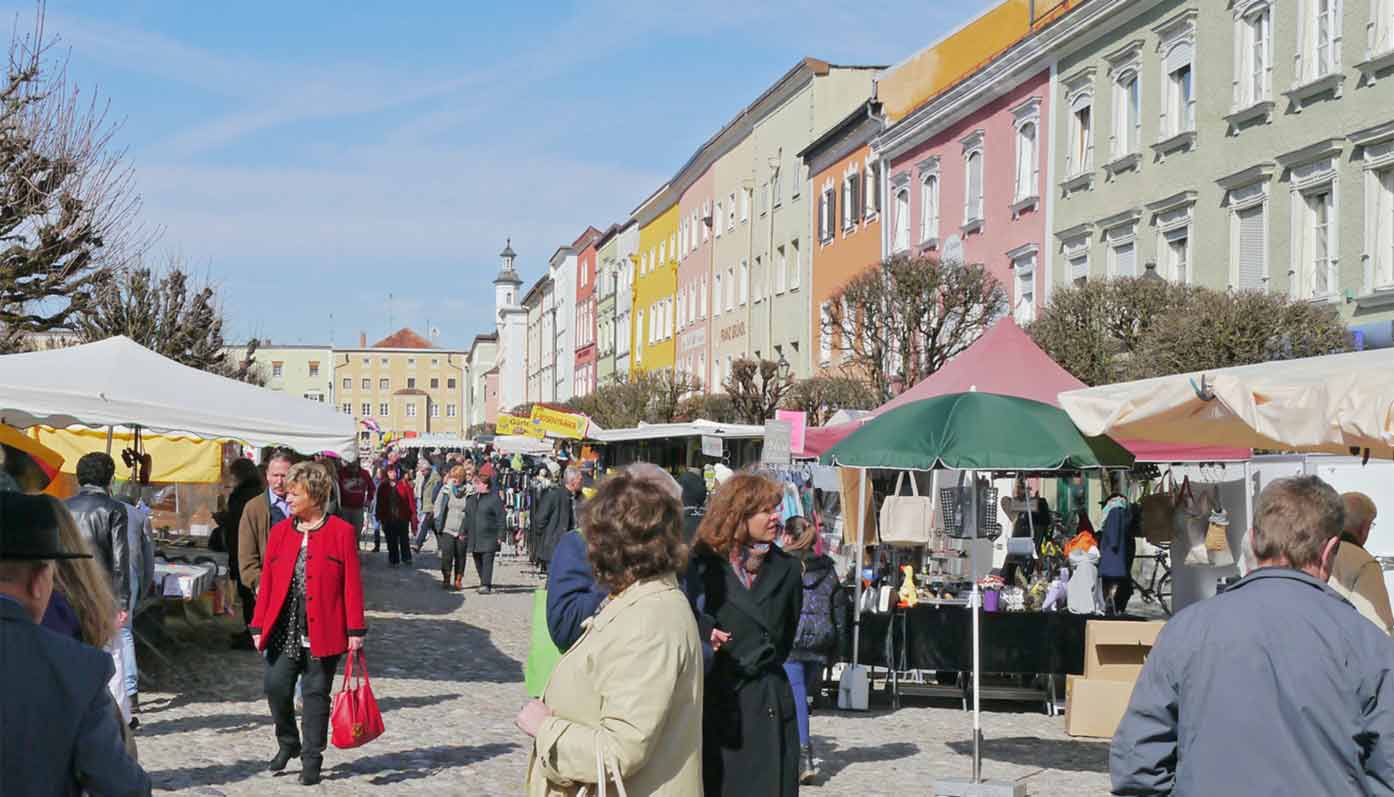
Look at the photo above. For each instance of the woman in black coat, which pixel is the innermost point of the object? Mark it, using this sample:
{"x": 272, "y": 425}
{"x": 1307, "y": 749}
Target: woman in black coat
{"x": 486, "y": 523}
{"x": 246, "y": 485}
{"x": 747, "y": 595}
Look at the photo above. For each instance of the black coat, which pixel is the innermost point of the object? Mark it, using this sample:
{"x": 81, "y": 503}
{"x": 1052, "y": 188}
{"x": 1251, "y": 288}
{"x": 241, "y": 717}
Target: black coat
{"x": 556, "y": 515}
{"x": 231, "y": 521}
{"x": 750, "y": 729}
{"x": 485, "y": 518}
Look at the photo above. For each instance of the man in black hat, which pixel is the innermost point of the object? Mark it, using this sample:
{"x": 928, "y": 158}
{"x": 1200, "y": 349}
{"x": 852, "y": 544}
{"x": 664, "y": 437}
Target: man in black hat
{"x": 59, "y": 731}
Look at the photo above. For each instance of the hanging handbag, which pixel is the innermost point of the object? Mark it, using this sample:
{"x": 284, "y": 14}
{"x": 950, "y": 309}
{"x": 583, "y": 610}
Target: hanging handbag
{"x": 1158, "y": 511}
{"x": 906, "y": 519}
{"x": 355, "y": 719}
{"x": 1192, "y": 521}
{"x": 1217, "y": 535}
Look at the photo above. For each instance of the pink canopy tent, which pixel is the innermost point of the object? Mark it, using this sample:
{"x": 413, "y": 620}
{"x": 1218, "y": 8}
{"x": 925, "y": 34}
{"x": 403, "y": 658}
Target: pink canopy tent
{"x": 1006, "y": 361}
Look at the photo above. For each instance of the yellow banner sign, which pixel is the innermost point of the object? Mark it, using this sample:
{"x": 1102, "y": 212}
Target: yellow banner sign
{"x": 559, "y": 424}
{"x": 513, "y": 425}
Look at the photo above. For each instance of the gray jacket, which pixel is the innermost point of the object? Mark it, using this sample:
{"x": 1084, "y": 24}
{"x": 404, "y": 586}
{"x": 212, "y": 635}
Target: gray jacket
{"x": 1276, "y": 686}
{"x": 59, "y": 730}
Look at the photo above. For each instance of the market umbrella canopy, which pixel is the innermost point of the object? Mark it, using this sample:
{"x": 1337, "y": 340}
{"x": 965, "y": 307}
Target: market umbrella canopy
{"x": 116, "y": 382}
{"x": 975, "y": 431}
{"x": 1329, "y": 404}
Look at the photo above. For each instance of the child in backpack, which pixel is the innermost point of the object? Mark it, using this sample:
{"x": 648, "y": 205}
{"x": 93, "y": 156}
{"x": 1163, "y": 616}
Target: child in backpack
{"x": 815, "y": 641}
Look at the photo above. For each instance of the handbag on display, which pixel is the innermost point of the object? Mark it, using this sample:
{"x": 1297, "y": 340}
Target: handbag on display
{"x": 907, "y": 519}
{"x": 1158, "y": 511}
{"x": 1192, "y": 523}
{"x": 1217, "y": 535}
{"x": 355, "y": 719}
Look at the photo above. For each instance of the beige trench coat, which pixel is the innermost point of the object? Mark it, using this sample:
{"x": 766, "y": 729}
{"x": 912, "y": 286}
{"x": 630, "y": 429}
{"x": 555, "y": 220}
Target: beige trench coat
{"x": 631, "y": 687}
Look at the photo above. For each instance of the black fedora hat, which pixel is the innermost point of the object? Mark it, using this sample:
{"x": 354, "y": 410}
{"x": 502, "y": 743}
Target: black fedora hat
{"x": 29, "y": 529}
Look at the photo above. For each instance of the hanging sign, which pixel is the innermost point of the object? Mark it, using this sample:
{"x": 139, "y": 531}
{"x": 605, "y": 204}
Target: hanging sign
{"x": 798, "y": 425}
{"x": 513, "y": 425}
{"x": 559, "y": 424}
{"x": 712, "y": 446}
{"x": 775, "y": 451}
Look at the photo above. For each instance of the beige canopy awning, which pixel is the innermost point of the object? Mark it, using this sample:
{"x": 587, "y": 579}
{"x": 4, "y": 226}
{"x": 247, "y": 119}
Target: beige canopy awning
{"x": 1335, "y": 404}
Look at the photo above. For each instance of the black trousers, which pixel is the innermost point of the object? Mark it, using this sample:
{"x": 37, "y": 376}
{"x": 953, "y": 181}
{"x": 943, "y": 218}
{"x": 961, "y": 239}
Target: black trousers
{"x": 249, "y": 602}
{"x": 484, "y": 565}
{"x": 398, "y": 535}
{"x": 316, "y": 681}
{"x": 452, "y": 554}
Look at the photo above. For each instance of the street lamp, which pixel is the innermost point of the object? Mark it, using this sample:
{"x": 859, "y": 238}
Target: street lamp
{"x": 783, "y": 367}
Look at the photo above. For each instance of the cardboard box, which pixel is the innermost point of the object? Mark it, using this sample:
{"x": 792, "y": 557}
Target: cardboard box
{"x": 1114, "y": 650}
{"x": 1094, "y": 708}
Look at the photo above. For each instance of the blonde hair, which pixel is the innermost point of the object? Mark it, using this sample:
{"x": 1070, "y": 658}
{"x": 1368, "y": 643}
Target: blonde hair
{"x": 317, "y": 483}
{"x": 83, "y": 583}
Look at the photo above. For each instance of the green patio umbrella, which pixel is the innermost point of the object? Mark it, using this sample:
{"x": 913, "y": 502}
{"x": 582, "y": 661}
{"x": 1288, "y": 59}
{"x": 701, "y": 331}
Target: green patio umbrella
{"x": 975, "y": 431}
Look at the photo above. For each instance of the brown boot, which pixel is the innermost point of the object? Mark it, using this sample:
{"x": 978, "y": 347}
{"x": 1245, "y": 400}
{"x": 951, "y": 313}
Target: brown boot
{"x": 445, "y": 581}
{"x": 459, "y": 582}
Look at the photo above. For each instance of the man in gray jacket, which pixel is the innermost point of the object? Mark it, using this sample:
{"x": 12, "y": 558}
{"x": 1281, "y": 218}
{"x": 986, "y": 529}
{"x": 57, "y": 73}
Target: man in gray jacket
{"x": 1276, "y": 686}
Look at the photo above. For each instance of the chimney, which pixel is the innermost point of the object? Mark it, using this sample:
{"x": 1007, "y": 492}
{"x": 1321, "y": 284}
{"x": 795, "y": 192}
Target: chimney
{"x": 362, "y": 340}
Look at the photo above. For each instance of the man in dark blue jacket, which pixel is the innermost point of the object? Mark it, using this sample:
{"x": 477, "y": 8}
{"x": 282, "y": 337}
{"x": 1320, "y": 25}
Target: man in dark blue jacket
{"x": 572, "y": 594}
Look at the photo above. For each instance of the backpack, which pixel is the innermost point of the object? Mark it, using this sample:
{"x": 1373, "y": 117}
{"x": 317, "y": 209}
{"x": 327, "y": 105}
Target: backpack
{"x": 817, "y": 630}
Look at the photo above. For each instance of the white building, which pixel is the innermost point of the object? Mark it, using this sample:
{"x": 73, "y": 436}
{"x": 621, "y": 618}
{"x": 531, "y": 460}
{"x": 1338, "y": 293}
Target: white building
{"x": 511, "y": 318}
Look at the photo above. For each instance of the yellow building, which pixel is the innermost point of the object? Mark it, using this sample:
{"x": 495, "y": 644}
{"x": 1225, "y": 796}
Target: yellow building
{"x": 656, "y": 282}
{"x": 404, "y": 384}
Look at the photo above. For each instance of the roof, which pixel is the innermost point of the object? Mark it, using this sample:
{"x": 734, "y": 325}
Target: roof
{"x": 403, "y": 338}
{"x": 659, "y": 431}
{"x": 508, "y": 249}
{"x": 605, "y": 237}
{"x": 851, "y": 120}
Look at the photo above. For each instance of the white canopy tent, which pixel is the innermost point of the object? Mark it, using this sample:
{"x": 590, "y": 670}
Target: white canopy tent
{"x": 434, "y": 441}
{"x": 518, "y": 444}
{"x": 1333, "y": 404}
{"x": 118, "y": 382}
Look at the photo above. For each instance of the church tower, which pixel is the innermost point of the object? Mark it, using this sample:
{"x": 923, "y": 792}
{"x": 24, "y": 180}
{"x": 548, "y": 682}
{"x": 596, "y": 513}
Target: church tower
{"x": 507, "y": 284}
{"x": 512, "y": 320}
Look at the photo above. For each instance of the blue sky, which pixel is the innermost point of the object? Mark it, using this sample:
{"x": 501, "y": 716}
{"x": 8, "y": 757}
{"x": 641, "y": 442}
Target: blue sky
{"x": 313, "y": 157}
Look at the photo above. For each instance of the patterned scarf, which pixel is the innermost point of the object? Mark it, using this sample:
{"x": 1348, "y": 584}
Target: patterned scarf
{"x": 746, "y": 561}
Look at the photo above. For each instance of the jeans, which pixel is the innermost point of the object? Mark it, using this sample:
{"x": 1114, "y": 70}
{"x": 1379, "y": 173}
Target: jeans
{"x": 484, "y": 565}
{"x": 452, "y": 555}
{"x": 128, "y": 656}
{"x": 801, "y": 674}
{"x": 398, "y": 535}
{"x": 316, "y": 677}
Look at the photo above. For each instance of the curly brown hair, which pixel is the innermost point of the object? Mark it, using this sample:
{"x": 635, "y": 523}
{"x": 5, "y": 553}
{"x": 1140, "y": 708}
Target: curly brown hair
{"x": 633, "y": 531}
{"x": 735, "y": 502}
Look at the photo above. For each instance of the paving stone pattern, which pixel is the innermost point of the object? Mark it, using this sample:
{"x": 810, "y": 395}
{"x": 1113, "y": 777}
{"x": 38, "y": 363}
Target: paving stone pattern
{"x": 447, "y": 672}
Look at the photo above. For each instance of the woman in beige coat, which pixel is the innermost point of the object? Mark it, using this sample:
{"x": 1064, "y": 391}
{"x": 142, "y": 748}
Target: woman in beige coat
{"x": 627, "y": 696}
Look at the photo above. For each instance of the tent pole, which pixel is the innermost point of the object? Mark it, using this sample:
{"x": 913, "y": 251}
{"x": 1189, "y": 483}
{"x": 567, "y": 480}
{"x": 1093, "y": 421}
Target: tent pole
{"x": 109, "y": 432}
{"x": 857, "y": 569}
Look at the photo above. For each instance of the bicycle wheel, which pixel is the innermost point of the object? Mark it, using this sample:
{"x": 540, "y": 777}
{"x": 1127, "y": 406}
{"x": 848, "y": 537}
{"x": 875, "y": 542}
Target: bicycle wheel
{"x": 1164, "y": 593}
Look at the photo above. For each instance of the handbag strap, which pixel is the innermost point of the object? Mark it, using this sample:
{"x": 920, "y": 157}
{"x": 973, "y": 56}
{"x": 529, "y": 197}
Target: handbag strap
{"x": 362, "y": 668}
{"x": 900, "y": 480}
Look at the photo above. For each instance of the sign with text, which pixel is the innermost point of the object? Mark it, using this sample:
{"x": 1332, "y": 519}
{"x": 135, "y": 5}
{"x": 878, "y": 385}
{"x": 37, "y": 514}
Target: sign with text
{"x": 712, "y": 446}
{"x": 514, "y": 425}
{"x": 798, "y": 424}
{"x": 558, "y": 423}
{"x": 776, "y": 448}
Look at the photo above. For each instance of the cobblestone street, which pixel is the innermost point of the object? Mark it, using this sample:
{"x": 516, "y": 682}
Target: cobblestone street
{"x": 447, "y": 672}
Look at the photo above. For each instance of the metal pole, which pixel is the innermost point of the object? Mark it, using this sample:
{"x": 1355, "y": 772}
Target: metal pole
{"x": 857, "y": 569}
{"x": 976, "y": 603}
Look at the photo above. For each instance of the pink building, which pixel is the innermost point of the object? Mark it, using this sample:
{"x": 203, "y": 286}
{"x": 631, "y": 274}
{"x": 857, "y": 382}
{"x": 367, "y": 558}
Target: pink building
{"x": 967, "y": 182}
{"x": 585, "y": 319}
{"x": 694, "y": 269}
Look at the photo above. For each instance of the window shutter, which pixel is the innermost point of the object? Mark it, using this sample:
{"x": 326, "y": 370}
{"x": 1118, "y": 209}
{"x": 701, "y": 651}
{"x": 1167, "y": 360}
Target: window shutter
{"x": 1125, "y": 260}
{"x": 823, "y": 217}
{"x": 1251, "y": 241}
{"x": 856, "y": 197}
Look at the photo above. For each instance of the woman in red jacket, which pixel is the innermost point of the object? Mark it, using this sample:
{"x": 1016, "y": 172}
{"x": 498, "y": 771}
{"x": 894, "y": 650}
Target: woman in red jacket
{"x": 396, "y": 511}
{"x": 309, "y": 611}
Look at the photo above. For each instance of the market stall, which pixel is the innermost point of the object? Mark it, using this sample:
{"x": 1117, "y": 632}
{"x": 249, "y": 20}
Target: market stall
{"x": 676, "y": 445}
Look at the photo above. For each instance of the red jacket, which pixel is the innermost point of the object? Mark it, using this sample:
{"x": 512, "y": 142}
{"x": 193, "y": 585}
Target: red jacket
{"x": 355, "y": 487}
{"x": 402, "y": 509}
{"x": 333, "y": 590}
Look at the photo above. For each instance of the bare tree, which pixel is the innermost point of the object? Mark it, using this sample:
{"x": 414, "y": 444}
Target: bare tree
{"x": 670, "y": 388}
{"x": 757, "y": 389}
{"x": 822, "y": 396}
{"x": 67, "y": 202}
{"x": 168, "y": 314}
{"x": 902, "y": 319}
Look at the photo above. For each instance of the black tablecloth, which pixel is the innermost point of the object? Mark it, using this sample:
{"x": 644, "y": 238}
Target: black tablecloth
{"x": 941, "y": 638}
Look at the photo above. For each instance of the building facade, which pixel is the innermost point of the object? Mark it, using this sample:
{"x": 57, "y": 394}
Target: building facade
{"x": 844, "y": 203}
{"x": 482, "y": 388}
{"x": 538, "y": 358}
{"x": 296, "y": 370}
{"x": 1241, "y": 145}
{"x": 510, "y": 358}
{"x": 607, "y": 277}
{"x": 585, "y": 312}
{"x": 626, "y": 264}
{"x": 695, "y": 265}
{"x": 655, "y": 284}
{"x": 403, "y": 384}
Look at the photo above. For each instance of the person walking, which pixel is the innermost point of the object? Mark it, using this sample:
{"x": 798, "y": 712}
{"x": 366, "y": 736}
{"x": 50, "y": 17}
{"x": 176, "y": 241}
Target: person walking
{"x": 747, "y": 595}
{"x": 379, "y": 476}
{"x": 259, "y": 516}
{"x": 62, "y": 733}
{"x": 309, "y": 612}
{"x": 1274, "y": 686}
{"x": 486, "y": 524}
{"x": 396, "y": 511}
{"x": 426, "y": 494}
{"x": 452, "y": 522}
{"x": 624, "y": 705}
{"x": 815, "y": 639}
{"x": 246, "y": 488}
{"x": 556, "y": 514}
{"x": 104, "y": 524}
{"x": 355, "y": 493}
{"x": 1355, "y": 574}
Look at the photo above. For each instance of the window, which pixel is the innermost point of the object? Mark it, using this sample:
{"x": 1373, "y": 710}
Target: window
{"x": 662, "y": 253}
{"x": 730, "y": 296}
{"x": 1317, "y": 244}
{"x": 1123, "y": 258}
{"x": 367, "y": 409}
{"x": 827, "y": 211}
{"x": 745, "y": 204}
{"x": 435, "y": 410}
{"x": 450, "y": 383}
{"x": 872, "y": 200}
{"x": 796, "y": 180}
{"x": 382, "y": 361}
{"x": 795, "y": 265}
{"x": 638, "y": 340}
{"x": 347, "y": 408}
{"x": 1127, "y": 115}
{"x": 1081, "y": 153}
{"x": 1026, "y": 174}
{"x": 745, "y": 281}
{"x": 366, "y": 362}
{"x": 973, "y": 199}
{"x": 367, "y": 383}
{"x": 717, "y": 296}
{"x": 929, "y": 209}
{"x": 1319, "y": 39}
{"x": 384, "y": 410}
{"x": 411, "y": 382}
{"x": 450, "y": 410}
{"x": 1181, "y": 99}
{"x": 384, "y": 384}
{"x": 774, "y": 186}
{"x": 314, "y": 368}
{"x": 276, "y": 369}
{"x": 348, "y": 383}
{"x": 781, "y": 265}
{"x": 1074, "y": 248}
{"x": 716, "y": 220}
{"x": 759, "y": 279}
{"x": 1253, "y": 58}
{"x": 825, "y": 336}
{"x": 1024, "y": 285}
{"x": 411, "y": 409}
{"x": 731, "y": 213}
{"x": 702, "y": 298}
{"x": 901, "y": 240}
{"x": 435, "y": 362}
{"x": 1251, "y": 241}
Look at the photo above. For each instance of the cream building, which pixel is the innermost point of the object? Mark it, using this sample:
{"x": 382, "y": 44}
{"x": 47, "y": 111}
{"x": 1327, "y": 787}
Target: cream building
{"x": 297, "y": 370}
{"x": 404, "y": 384}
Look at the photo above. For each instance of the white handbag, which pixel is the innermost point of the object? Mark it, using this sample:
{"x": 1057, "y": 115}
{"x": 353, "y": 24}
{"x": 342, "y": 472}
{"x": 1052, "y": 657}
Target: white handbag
{"x": 604, "y": 773}
{"x": 906, "y": 519}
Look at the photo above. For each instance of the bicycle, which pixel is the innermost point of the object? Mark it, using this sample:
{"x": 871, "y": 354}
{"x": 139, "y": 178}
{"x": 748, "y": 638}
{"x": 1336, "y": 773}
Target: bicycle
{"x": 1158, "y": 587}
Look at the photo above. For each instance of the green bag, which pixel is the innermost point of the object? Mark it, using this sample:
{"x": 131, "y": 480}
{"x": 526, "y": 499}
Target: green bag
{"x": 543, "y": 654}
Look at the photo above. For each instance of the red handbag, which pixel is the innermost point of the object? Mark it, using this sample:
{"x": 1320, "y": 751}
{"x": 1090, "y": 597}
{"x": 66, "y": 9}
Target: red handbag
{"x": 355, "y": 718}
